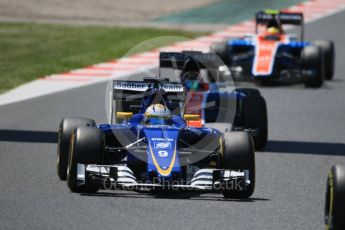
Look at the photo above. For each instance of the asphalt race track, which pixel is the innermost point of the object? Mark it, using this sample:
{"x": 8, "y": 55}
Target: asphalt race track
{"x": 306, "y": 132}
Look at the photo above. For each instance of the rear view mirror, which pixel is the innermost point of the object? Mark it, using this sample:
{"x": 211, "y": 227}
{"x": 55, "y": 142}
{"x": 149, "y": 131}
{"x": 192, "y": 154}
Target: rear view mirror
{"x": 191, "y": 117}
{"x": 124, "y": 115}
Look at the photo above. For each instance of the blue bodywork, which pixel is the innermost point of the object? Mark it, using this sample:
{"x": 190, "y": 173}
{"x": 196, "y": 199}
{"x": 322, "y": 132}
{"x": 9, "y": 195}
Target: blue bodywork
{"x": 216, "y": 100}
{"x": 161, "y": 142}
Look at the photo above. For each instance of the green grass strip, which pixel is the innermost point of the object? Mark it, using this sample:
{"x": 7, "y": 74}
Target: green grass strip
{"x": 30, "y": 51}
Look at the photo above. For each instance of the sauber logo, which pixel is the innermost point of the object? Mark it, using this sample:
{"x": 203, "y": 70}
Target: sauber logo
{"x": 162, "y": 145}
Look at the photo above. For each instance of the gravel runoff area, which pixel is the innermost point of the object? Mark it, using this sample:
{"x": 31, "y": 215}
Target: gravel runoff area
{"x": 91, "y": 12}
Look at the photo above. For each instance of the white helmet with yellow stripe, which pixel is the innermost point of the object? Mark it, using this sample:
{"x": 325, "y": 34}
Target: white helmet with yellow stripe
{"x": 157, "y": 114}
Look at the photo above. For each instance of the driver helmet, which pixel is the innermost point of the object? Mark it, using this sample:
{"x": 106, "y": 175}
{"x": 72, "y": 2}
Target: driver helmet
{"x": 273, "y": 27}
{"x": 157, "y": 114}
{"x": 272, "y": 31}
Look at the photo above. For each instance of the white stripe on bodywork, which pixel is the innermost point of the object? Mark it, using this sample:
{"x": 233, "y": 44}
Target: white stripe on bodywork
{"x": 256, "y": 58}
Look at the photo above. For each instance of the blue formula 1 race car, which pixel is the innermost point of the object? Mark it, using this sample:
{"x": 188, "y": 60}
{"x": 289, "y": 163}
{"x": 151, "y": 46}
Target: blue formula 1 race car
{"x": 153, "y": 149}
{"x": 211, "y": 93}
{"x": 272, "y": 56}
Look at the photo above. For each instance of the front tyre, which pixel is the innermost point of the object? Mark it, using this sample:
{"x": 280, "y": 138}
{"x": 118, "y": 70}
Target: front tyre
{"x": 238, "y": 153}
{"x": 87, "y": 147}
{"x": 335, "y": 199}
{"x": 66, "y": 129}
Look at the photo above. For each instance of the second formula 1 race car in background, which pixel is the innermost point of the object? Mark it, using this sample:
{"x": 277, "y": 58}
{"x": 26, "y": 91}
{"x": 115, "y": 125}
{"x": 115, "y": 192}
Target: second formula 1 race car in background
{"x": 211, "y": 93}
{"x": 275, "y": 56}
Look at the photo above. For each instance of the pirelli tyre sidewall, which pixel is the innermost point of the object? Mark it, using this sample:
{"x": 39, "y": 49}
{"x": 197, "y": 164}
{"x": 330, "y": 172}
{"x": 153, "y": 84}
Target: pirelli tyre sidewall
{"x": 87, "y": 147}
{"x": 335, "y": 199}
{"x": 66, "y": 129}
{"x": 238, "y": 154}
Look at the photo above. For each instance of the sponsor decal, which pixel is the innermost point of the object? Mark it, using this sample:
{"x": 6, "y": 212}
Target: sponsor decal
{"x": 162, "y": 145}
{"x": 172, "y": 87}
{"x": 161, "y": 139}
{"x": 130, "y": 85}
{"x": 143, "y": 86}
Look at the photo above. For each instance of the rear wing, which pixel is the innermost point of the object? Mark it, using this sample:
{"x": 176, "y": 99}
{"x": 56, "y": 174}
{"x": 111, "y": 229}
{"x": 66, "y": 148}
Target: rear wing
{"x": 209, "y": 62}
{"x": 289, "y": 18}
{"x": 284, "y": 18}
{"x": 142, "y": 86}
{"x": 127, "y": 96}
{"x": 177, "y": 60}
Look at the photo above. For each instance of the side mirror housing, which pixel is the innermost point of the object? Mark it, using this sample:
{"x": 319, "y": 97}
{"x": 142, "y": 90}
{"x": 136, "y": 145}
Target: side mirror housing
{"x": 191, "y": 117}
{"x": 124, "y": 115}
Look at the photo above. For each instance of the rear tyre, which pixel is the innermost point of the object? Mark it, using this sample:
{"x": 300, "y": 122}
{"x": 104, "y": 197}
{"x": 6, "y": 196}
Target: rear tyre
{"x": 327, "y": 50}
{"x": 238, "y": 153}
{"x": 312, "y": 66}
{"x": 255, "y": 117}
{"x": 335, "y": 199}
{"x": 220, "y": 48}
{"x": 66, "y": 129}
{"x": 87, "y": 147}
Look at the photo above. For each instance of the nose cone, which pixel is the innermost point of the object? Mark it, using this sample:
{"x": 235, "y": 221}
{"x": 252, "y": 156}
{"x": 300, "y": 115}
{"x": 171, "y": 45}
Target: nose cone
{"x": 162, "y": 153}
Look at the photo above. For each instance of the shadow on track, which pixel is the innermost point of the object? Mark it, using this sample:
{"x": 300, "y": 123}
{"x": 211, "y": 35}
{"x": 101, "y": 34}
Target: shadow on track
{"x": 277, "y": 146}
{"x": 177, "y": 196}
{"x": 28, "y": 136}
{"x": 299, "y": 147}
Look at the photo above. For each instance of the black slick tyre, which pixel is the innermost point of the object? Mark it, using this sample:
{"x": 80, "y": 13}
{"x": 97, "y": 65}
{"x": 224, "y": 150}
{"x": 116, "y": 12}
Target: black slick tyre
{"x": 238, "y": 153}
{"x": 66, "y": 129}
{"x": 87, "y": 147}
